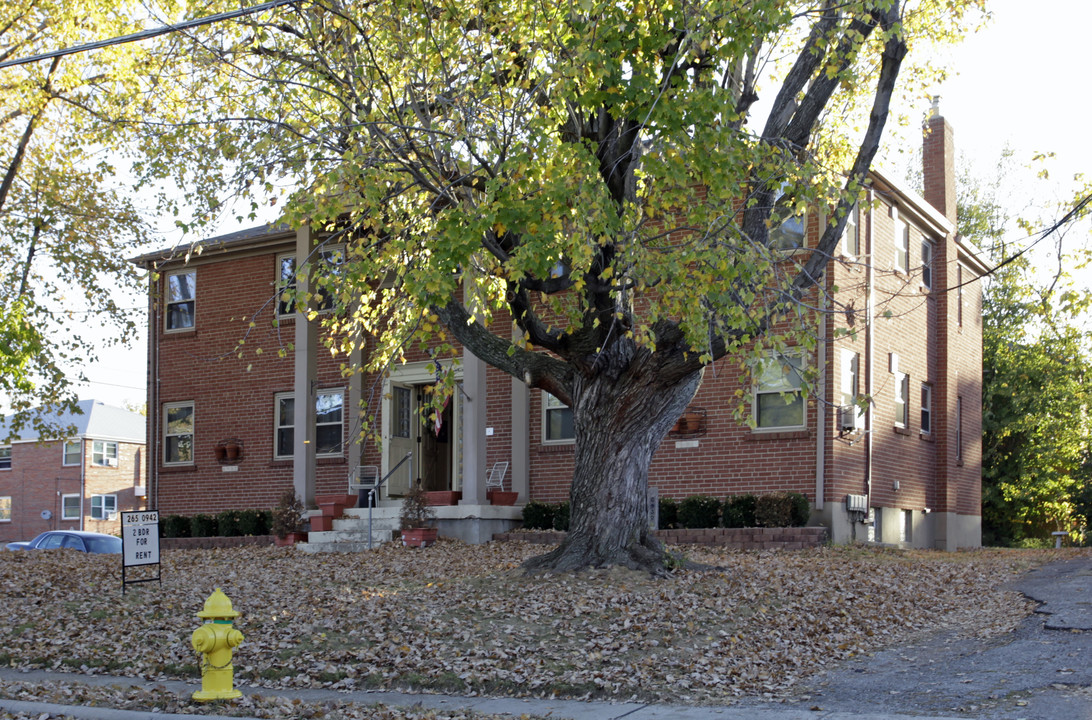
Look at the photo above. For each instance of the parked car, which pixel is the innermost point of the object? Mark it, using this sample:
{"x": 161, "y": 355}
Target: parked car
{"x": 91, "y": 542}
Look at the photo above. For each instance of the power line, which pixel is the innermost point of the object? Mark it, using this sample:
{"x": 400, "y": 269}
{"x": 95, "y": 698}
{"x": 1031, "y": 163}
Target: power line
{"x": 145, "y": 34}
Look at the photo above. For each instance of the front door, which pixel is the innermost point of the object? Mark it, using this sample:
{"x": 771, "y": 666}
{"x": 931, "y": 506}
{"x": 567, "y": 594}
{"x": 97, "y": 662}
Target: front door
{"x": 405, "y": 429}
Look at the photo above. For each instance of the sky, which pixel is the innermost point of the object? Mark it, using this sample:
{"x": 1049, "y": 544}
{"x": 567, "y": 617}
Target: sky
{"x": 1018, "y": 83}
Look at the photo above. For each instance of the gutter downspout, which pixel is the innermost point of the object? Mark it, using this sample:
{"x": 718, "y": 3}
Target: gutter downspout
{"x": 83, "y": 481}
{"x": 152, "y": 456}
{"x": 870, "y": 279}
{"x": 822, "y": 405}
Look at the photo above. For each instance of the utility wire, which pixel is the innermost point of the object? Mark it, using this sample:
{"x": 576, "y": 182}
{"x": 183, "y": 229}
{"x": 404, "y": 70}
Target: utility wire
{"x": 145, "y": 34}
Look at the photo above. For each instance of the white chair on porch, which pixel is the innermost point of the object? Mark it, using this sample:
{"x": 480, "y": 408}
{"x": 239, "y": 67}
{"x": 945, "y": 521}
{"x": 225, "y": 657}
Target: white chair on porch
{"x": 495, "y": 480}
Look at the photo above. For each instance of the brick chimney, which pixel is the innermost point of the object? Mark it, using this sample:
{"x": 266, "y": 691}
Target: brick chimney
{"x": 938, "y": 162}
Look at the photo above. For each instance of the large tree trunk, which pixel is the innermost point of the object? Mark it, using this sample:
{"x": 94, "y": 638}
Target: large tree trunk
{"x": 620, "y": 420}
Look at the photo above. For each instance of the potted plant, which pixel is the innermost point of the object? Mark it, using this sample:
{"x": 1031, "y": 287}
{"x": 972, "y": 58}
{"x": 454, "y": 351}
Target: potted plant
{"x": 288, "y": 519}
{"x": 415, "y": 518}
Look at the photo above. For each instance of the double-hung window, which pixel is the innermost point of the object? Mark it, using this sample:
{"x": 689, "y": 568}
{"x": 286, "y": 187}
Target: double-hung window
{"x": 73, "y": 452}
{"x": 5, "y": 508}
{"x": 927, "y": 264}
{"x": 104, "y": 454}
{"x": 851, "y": 236}
{"x": 902, "y": 243}
{"x": 902, "y": 399}
{"x": 850, "y": 415}
{"x": 331, "y": 257}
{"x": 181, "y": 300}
{"x": 926, "y": 408}
{"x": 557, "y": 420}
{"x": 5, "y": 457}
{"x": 778, "y": 394}
{"x": 329, "y": 424}
{"x": 787, "y": 232}
{"x": 103, "y": 506}
{"x": 178, "y": 431}
{"x": 70, "y": 507}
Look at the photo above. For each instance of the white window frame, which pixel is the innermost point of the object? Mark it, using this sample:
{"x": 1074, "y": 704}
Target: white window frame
{"x": 107, "y": 505}
{"x": 278, "y": 426}
{"x": 167, "y": 407}
{"x": 782, "y": 389}
{"x": 851, "y": 235}
{"x": 551, "y": 404}
{"x": 100, "y": 453}
{"x": 5, "y": 457}
{"x": 926, "y": 264}
{"x": 283, "y": 284}
{"x": 5, "y": 508}
{"x": 926, "y": 408}
{"x": 328, "y": 392}
{"x": 64, "y": 508}
{"x": 901, "y": 242}
{"x": 65, "y": 453}
{"x": 851, "y": 384}
{"x": 902, "y": 400}
{"x": 168, "y": 302}
{"x": 959, "y": 429}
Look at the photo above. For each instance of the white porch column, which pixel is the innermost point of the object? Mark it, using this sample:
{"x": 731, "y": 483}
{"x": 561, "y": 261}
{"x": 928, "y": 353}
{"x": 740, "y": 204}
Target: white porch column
{"x": 474, "y": 439}
{"x": 303, "y": 449}
{"x": 521, "y": 453}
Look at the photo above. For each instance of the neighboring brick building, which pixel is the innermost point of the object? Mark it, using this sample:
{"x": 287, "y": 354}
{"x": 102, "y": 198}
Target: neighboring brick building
{"x": 77, "y": 484}
{"x": 906, "y": 470}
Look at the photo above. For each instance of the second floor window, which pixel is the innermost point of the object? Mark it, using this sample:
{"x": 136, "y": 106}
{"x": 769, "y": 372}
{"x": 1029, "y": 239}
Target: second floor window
{"x": 778, "y": 393}
{"x": 73, "y": 452}
{"x": 181, "y": 300}
{"x": 104, "y": 453}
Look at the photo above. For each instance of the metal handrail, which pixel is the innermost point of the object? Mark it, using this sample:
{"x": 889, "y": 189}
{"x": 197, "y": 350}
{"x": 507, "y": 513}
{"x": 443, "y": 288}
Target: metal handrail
{"x": 379, "y": 484}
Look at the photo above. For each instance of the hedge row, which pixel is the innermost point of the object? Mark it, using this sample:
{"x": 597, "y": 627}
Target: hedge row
{"x": 546, "y": 516}
{"x": 228, "y": 523}
{"x": 783, "y": 509}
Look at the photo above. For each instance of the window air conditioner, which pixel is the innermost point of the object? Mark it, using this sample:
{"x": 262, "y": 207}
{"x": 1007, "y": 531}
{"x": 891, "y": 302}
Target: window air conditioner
{"x": 847, "y": 418}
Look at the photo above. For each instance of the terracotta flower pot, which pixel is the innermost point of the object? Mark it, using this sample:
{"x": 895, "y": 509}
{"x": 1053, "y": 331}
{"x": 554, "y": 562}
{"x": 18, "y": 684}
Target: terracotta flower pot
{"x": 419, "y": 537}
{"x": 290, "y": 539}
{"x": 443, "y": 497}
{"x": 501, "y": 497}
{"x": 220, "y": 452}
{"x": 231, "y": 452}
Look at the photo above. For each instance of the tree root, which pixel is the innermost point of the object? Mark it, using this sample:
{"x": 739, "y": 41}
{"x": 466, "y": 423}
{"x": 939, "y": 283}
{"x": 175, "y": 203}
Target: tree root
{"x": 576, "y": 554}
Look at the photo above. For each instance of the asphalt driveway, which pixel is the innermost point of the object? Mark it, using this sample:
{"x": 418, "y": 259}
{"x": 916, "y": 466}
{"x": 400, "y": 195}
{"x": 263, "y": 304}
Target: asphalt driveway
{"x": 1041, "y": 671}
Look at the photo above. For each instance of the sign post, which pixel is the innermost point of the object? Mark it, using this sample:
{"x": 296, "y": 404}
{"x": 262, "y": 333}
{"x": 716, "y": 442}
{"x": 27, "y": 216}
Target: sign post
{"x": 139, "y": 544}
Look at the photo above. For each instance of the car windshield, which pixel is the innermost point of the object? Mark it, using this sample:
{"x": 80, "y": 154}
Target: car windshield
{"x": 103, "y": 545}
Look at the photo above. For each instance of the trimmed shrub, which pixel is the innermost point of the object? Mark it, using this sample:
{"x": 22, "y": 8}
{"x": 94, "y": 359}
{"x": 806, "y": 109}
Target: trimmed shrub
{"x": 774, "y": 510}
{"x": 254, "y": 522}
{"x": 739, "y": 511}
{"x": 538, "y": 516}
{"x": 669, "y": 513}
{"x": 203, "y": 526}
{"x": 699, "y": 511}
{"x": 227, "y": 523}
{"x": 561, "y": 516}
{"x": 175, "y": 526}
{"x": 801, "y": 509}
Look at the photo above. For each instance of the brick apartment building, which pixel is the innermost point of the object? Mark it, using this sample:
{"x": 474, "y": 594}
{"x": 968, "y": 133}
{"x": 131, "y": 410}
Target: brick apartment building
{"x": 81, "y": 483}
{"x": 905, "y": 470}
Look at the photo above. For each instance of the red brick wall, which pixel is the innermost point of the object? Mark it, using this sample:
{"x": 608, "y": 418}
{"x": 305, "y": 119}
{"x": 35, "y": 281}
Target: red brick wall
{"x": 38, "y": 479}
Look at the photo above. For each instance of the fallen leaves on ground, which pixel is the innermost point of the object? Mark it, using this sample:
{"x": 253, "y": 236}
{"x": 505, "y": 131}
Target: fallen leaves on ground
{"x": 463, "y": 619}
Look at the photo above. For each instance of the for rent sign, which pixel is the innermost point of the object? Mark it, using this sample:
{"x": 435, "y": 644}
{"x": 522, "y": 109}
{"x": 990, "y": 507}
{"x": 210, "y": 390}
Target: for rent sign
{"x": 139, "y": 544}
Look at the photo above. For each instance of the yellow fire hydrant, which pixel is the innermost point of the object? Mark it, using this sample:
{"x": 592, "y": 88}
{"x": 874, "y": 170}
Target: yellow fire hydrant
{"x": 214, "y": 640}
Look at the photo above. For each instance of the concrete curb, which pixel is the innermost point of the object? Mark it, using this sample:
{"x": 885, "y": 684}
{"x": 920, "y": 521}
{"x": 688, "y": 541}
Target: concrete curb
{"x": 556, "y": 709}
